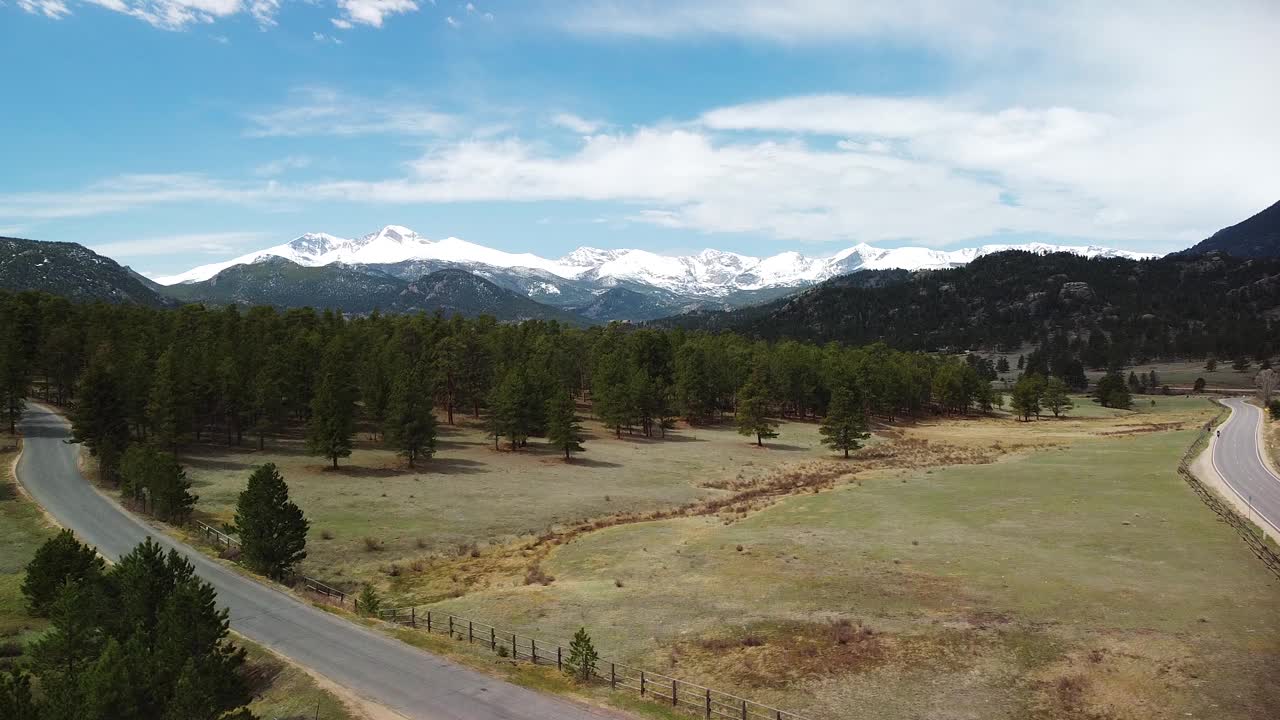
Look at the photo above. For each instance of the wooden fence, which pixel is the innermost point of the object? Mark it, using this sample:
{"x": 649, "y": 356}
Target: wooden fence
{"x": 681, "y": 694}
{"x": 657, "y": 687}
{"x": 1254, "y": 538}
{"x": 222, "y": 539}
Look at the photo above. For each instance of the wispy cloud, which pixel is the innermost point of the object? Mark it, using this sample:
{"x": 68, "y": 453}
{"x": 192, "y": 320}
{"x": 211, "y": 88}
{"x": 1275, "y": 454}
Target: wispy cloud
{"x": 282, "y": 165}
{"x": 576, "y": 123}
{"x": 217, "y": 243}
{"x": 128, "y": 192}
{"x": 54, "y": 9}
{"x": 321, "y": 111}
{"x": 373, "y": 12}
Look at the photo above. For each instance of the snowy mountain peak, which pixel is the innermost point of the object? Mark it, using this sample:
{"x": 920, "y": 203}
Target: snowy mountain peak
{"x": 708, "y": 274}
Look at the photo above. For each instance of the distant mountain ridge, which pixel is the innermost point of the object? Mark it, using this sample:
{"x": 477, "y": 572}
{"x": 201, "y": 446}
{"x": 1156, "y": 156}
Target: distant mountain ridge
{"x": 283, "y": 283}
{"x": 710, "y": 274}
{"x": 1256, "y": 237}
{"x": 72, "y": 271}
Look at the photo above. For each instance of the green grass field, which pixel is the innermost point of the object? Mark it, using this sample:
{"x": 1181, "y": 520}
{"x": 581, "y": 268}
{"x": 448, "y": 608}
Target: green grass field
{"x": 470, "y": 493}
{"x": 282, "y": 691}
{"x": 1081, "y": 581}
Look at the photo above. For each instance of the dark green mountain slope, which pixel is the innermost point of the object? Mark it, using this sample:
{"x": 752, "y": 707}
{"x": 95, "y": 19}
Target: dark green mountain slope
{"x": 72, "y": 271}
{"x": 1175, "y": 305}
{"x": 285, "y": 284}
{"x": 1257, "y": 237}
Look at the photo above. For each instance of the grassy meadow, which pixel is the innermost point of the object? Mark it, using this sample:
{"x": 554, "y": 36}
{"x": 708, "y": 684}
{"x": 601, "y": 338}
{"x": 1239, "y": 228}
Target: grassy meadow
{"x": 960, "y": 568}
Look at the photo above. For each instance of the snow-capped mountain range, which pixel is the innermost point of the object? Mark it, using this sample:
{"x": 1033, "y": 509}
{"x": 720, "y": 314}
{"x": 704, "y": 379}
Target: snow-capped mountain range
{"x": 709, "y": 274}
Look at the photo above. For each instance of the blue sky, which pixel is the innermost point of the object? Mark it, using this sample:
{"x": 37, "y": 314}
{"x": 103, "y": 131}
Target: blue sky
{"x": 171, "y": 133}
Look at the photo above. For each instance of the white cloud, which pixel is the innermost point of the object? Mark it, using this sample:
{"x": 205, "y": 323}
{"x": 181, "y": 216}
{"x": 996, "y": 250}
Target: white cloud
{"x": 321, "y": 111}
{"x": 322, "y": 38}
{"x": 217, "y": 243}
{"x": 373, "y": 12}
{"x": 282, "y": 165}
{"x": 54, "y": 9}
{"x": 179, "y": 14}
{"x": 128, "y": 192}
{"x": 451, "y": 22}
{"x": 341, "y": 24}
{"x": 576, "y": 123}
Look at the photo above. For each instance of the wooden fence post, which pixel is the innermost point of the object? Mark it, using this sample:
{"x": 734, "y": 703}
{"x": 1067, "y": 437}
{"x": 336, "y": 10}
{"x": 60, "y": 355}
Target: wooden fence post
{"x": 514, "y": 654}
{"x": 673, "y": 692}
{"x": 641, "y": 683}
{"x": 708, "y": 703}
{"x": 559, "y": 660}
{"x": 493, "y": 640}
{"x": 533, "y": 650}
{"x": 744, "y": 710}
{"x": 428, "y": 621}
{"x": 613, "y": 677}
{"x": 471, "y": 636}
{"x": 413, "y": 616}
{"x": 450, "y": 627}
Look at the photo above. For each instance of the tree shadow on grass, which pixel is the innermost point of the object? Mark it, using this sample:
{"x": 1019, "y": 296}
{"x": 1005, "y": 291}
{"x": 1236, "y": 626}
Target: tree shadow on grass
{"x": 450, "y": 466}
{"x": 586, "y": 462}
{"x": 208, "y": 463}
{"x": 781, "y": 446}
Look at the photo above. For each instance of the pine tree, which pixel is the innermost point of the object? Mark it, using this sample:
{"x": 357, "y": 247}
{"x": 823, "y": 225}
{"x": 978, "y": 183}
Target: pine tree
{"x": 15, "y": 374}
{"x": 752, "y": 415}
{"x": 98, "y": 419}
{"x": 163, "y": 414}
{"x": 331, "y": 429}
{"x": 581, "y": 663}
{"x": 1056, "y": 397}
{"x": 60, "y": 560}
{"x": 1211, "y": 365}
{"x": 411, "y": 420}
{"x": 16, "y": 699}
{"x": 1025, "y": 398}
{"x": 508, "y": 409}
{"x": 1112, "y": 391}
{"x": 369, "y": 602}
{"x": 564, "y": 432}
{"x": 272, "y": 530}
{"x": 845, "y": 424}
{"x": 268, "y": 399}
{"x": 1002, "y": 365}
{"x": 1241, "y": 364}
{"x": 154, "y": 477}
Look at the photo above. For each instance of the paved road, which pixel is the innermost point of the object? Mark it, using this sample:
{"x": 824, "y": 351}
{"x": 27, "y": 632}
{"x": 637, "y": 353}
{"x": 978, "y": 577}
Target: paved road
{"x": 1236, "y": 455}
{"x": 388, "y": 672}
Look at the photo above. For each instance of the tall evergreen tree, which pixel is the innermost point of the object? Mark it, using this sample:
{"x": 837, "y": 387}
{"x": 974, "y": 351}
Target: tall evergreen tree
{"x": 267, "y": 400}
{"x": 16, "y": 699}
{"x": 845, "y": 424}
{"x": 753, "y": 413}
{"x": 60, "y": 560}
{"x": 1056, "y": 397}
{"x": 564, "y": 432}
{"x": 98, "y": 419}
{"x": 15, "y": 373}
{"x": 154, "y": 477}
{"x": 509, "y": 409}
{"x": 272, "y": 530}
{"x": 411, "y": 420}
{"x": 164, "y": 403}
{"x": 1025, "y": 398}
{"x": 331, "y": 428}
{"x": 1112, "y": 391}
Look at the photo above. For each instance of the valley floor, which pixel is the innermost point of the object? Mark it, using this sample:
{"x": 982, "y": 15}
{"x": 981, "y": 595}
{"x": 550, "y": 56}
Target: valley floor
{"x": 967, "y": 568}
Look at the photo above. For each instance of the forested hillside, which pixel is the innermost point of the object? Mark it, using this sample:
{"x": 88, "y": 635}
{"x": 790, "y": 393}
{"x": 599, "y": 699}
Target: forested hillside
{"x": 1174, "y": 306}
{"x": 72, "y": 271}
{"x": 1256, "y": 237}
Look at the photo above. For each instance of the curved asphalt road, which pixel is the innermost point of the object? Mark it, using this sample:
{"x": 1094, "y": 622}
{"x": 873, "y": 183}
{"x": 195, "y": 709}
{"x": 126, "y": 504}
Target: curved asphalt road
{"x": 386, "y": 671}
{"x": 1238, "y": 459}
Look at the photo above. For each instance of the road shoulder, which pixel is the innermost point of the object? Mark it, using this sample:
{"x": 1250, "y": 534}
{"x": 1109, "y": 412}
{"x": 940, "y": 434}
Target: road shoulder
{"x": 1205, "y": 471}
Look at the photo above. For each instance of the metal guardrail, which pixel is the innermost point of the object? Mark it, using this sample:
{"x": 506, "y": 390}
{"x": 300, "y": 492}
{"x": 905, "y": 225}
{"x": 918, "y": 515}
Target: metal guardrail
{"x": 665, "y": 689}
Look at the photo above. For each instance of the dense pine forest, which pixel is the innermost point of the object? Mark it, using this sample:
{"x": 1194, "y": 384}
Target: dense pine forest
{"x": 1177, "y": 306}
{"x": 162, "y": 377}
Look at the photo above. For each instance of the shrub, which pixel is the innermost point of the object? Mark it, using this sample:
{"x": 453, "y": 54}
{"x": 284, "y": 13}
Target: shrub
{"x": 372, "y": 544}
{"x": 369, "y": 601}
{"x": 535, "y": 575}
{"x": 326, "y": 534}
{"x": 583, "y": 657}
{"x": 502, "y": 651}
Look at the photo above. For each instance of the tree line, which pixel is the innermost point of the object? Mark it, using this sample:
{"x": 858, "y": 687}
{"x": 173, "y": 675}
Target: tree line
{"x": 160, "y": 378}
